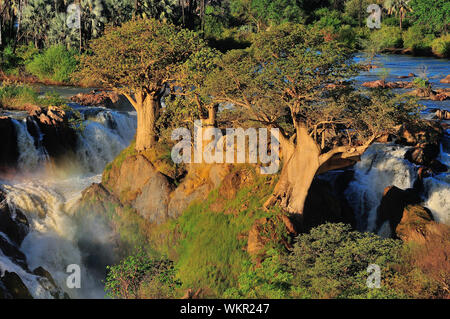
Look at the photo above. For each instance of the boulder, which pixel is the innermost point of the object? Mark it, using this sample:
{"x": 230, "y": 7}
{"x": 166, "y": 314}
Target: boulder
{"x": 58, "y": 137}
{"x": 415, "y": 224}
{"x": 393, "y": 203}
{"x": 9, "y": 153}
{"x": 13, "y": 287}
{"x": 233, "y": 182}
{"x": 107, "y": 99}
{"x": 138, "y": 183}
{"x": 446, "y": 80}
{"x": 443, "y": 115}
{"x": 256, "y": 242}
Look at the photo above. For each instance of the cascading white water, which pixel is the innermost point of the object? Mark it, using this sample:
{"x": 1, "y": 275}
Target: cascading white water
{"x": 381, "y": 166}
{"x": 46, "y": 202}
{"x": 99, "y": 144}
{"x": 30, "y": 157}
{"x": 437, "y": 189}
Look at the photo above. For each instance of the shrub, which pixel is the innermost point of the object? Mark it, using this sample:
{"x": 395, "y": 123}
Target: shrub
{"x": 441, "y": 46}
{"x": 416, "y": 39}
{"x": 13, "y": 95}
{"x": 8, "y": 60}
{"x": 347, "y": 35}
{"x": 139, "y": 276}
{"x": 331, "y": 262}
{"x": 55, "y": 63}
{"x": 387, "y": 37}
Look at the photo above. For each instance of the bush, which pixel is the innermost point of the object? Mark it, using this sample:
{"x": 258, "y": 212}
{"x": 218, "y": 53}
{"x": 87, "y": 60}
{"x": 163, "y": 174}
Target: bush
{"x": 8, "y": 60}
{"x": 15, "y": 95}
{"x": 347, "y": 35}
{"x": 139, "y": 276}
{"x": 441, "y": 46}
{"x": 55, "y": 63}
{"x": 416, "y": 39}
{"x": 387, "y": 37}
{"x": 331, "y": 262}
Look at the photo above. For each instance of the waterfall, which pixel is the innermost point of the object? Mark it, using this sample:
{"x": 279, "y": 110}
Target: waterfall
{"x": 380, "y": 166}
{"x": 46, "y": 200}
{"x": 437, "y": 192}
{"x": 103, "y": 138}
{"x": 30, "y": 157}
{"x": 52, "y": 240}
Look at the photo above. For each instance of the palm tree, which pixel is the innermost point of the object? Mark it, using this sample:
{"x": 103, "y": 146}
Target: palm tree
{"x": 399, "y": 7}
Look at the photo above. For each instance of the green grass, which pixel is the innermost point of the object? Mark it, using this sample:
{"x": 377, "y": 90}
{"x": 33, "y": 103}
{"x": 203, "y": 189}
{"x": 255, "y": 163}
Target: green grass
{"x": 211, "y": 251}
{"x": 15, "y": 96}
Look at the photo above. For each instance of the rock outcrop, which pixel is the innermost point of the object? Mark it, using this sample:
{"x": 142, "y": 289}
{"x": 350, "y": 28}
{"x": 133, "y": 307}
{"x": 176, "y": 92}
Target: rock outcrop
{"x": 138, "y": 183}
{"x": 9, "y": 153}
{"x": 392, "y": 205}
{"x": 103, "y": 98}
{"x": 446, "y": 80}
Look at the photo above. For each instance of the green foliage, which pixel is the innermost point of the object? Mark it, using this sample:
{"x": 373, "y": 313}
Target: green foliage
{"x": 36, "y": 19}
{"x": 270, "y": 279}
{"x": 8, "y": 60}
{"x": 441, "y": 46}
{"x": 421, "y": 83}
{"x": 387, "y": 37}
{"x": 433, "y": 14}
{"x": 55, "y": 63}
{"x": 13, "y": 95}
{"x": 417, "y": 39}
{"x": 142, "y": 53}
{"x": 331, "y": 262}
{"x": 327, "y": 18}
{"x": 139, "y": 276}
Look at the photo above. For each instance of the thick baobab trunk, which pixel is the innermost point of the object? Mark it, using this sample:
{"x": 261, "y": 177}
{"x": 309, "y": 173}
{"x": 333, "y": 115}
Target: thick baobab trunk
{"x": 147, "y": 108}
{"x": 302, "y": 162}
{"x": 297, "y": 174}
{"x": 146, "y": 120}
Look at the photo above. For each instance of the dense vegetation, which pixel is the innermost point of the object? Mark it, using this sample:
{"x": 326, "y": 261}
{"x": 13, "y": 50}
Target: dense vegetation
{"x": 28, "y": 29}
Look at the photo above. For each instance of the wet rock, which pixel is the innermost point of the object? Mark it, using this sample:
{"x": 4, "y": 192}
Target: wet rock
{"x": 446, "y": 80}
{"x": 11, "y": 251}
{"x": 58, "y": 137}
{"x": 102, "y": 98}
{"x": 390, "y": 85}
{"x": 443, "y": 114}
{"x": 428, "y": 132}
{"x": 423, "y": 155}
{"x": 14, "y": 288}
{"x": 41, "y": 272}
{"x": 13, "y": 224}
{"x": 9, "y": 153}
{"x": 392, "y": 205}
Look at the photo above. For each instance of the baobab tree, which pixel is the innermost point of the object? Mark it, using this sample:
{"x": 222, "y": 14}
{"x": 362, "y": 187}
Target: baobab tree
{"x": 139, "y": 60}
{"x": 294, "y": 80}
